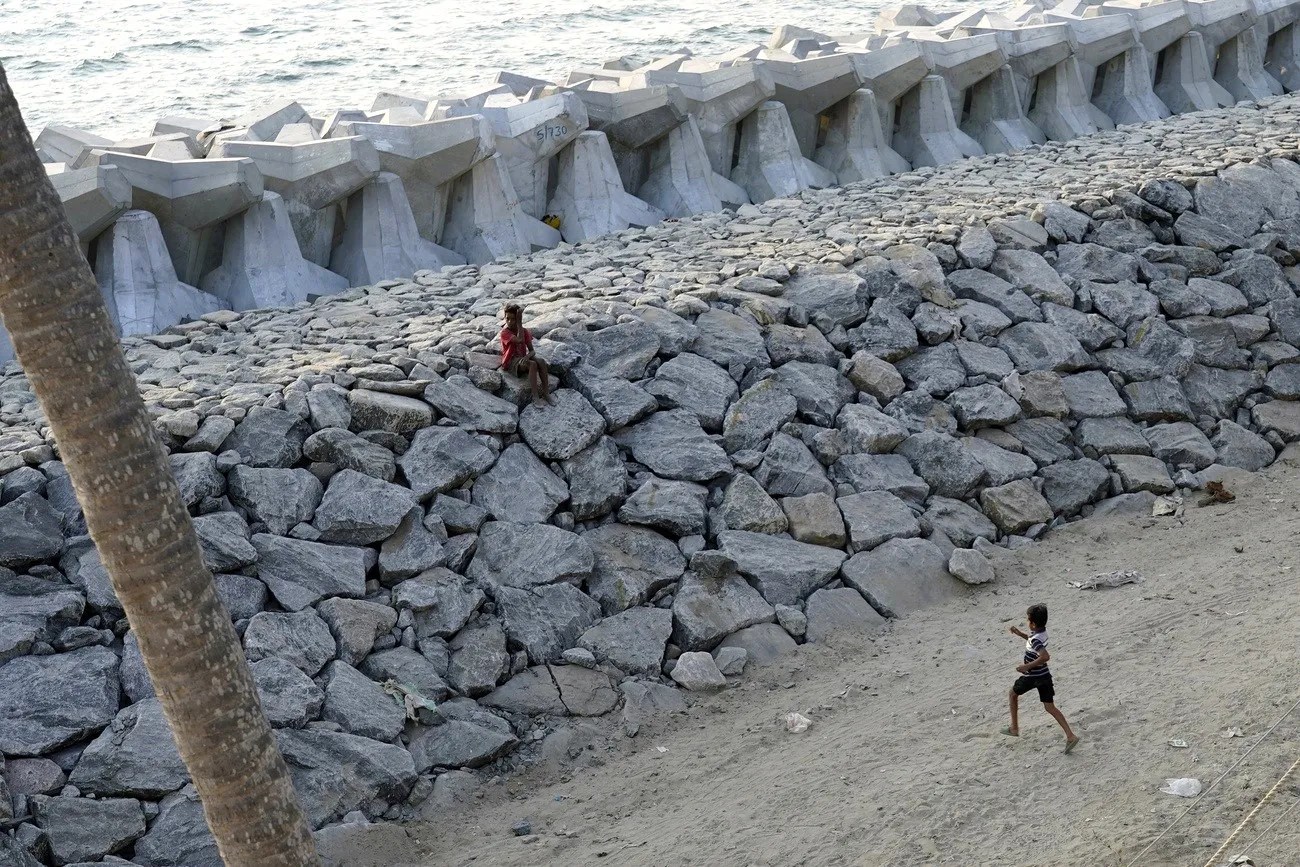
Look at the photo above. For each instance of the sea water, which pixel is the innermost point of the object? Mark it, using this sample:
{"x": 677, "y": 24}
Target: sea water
{"x": 112, "y": 67}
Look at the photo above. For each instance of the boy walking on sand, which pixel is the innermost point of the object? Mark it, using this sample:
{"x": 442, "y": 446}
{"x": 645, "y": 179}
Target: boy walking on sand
{"x": 517, "y": 354}
{"x": 1034, "y": 674}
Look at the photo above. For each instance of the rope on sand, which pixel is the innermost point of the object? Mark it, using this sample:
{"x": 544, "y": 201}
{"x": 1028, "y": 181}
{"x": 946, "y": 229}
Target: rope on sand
{"x": 1246, "y": 821}
{"x": 1275, "y": 823}
{"x": 1209, "y": 788}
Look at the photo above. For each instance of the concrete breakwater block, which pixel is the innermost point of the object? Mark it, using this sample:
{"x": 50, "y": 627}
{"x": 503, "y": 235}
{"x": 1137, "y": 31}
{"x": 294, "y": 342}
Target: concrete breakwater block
{"x": 889, "y": 67}
{"x": 1186, "y": 84}
{"x": 589, "y": 197}
{"x": 428, "y": 156}
{"x": 1126, "y": 94}
{"x": 1240, "y": 69}
{"x": 485, "y": 220}
{"x": 139, "y": 284}
{"x": 261, "y": 265}
{"x": 681, "y": 180}
{"x": 856, "y": 148}
{"x": 191, "y": 199}
{"x": 1061, "y": 108}
{"x": 1282, "y": 60}
{"x": 92, "y": 199}
{"x": 528, "y": 134}
{"x": 1219, "y": 21}
{"x": 927, "y": 131}
{"x": 312, "y": 177}
{"x": 64, "y": 144}
{"x": 380, "y": 241}
{"x": 771, "y": 164}
{"x": 997, "y": 120}
{"x": 634, "y": 120}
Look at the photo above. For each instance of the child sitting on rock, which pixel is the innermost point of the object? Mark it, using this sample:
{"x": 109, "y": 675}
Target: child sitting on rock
{"x": 517, "y": 355}
{"x": 1034, "y": 674}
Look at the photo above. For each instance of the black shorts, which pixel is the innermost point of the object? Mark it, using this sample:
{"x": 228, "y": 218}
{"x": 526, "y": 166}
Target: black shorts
{"x": 1046, "y": 692}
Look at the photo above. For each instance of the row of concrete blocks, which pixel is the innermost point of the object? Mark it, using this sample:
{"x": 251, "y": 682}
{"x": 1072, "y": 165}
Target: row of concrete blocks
{"x": 278, "y": 207}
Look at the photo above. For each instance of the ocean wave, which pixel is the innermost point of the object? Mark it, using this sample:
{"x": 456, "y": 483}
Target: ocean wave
{"x": 177, "y": 45}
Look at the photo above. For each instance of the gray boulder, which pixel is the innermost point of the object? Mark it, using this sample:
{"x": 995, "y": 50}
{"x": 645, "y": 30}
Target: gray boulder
{"x": 960, "y": 523}
{"x": 289, "y": 698}
{"x": 1124, "y": 303}
{"x": 874, "y": 517}
{"x": 887, "y": 333}
{"x": 360, "y": 705}
{"x": 763, "y": 643}
{"x": 1139, "y": 473}
{"x": 707, "y": 610}
{"x": 787, "y": 343}
{"x": 1039, "y": 346}
{"x": 620, "y": 351}
{"x": 983, "y": 406}
{"x": 223, "y": 541}
{"x": 1217, "y": 393}
{"x": 379, "y": 410}
{"x": 902, "y": 576}
{"x": 1070, "y": 485}
{"x": 875, "y": 376}
{"x": 529, "y": 555}
{"x": 360, "y": 509}
{"x": 724, "y": 338}
{"x": 1084, "y": 262}
{"x": 818, "y": 389}
{"x": 1015, "y": 507}
{"x": 443, "y": 458}
{"x": 32, "y": 531}
{"x": 81, "y": 829}
{"x": 1235, "y": 446}
{"x": 815, "y": 519}
{"x": 630, "y": 565}
{"x": 473, "y": 409}
{"x": 441, "y": 602}
{"x": 1181, "y": 444}
{"x": 632, "y": 640}
{"x": 135, "y": 756}
{"x": 935, "y": 370}
{"x": 561, "y": 429}
{"x": 412, "y": 548}
{"x": 32, "y": 610}
{"x": 556, "y": 690}
{"x": 892, "y": 473}
{"x": 179, "y": 835}
{"x": 1001, "y": 465}
{"x": 597, "y": 480}
{"x": 783, "y": 570}
{"x": 197, "y": 476}
{"x": 988, "y": 289}
{"x": 1091, "y": 395}
{"x": 547, "y": 620}
{"x": 1157, "y": 400}
{"x": 696, "y": 384}
{"x": 346, "y": 450}
{"x": 673, "y": 445}
{"x": 471, "y": 742}
{"x": 1030, "y": 273}
{"x": 620, "y": 402}
{"x": 759, "y": 413}
{"x": 746, "y": 506}
{"x": 300, "y": 573}
{"x": 49, "y": 701}
{"x": 519, "y": 488}
{"x": 84, "y": 567}
{"x": 268, "y": 438}
{"x": 410, "y": 669}
{"x": 790, "y": 470}
{"x": 478, "y": 659}
{"x": 335, "y": 773}
{"x": 1109, "y": 436}
{"x": 866, "y": 429}
{"x": 300, "y": 638}
{"x": 945, "y": 465}
{"x": 829, "y": 290}
{"x": 698, "y": 672}
{"x": 279, "y": 498}
{"x": 840, "y": 612}
{"x": 355, "y": 624}
{"x": 970, "y": 567}
{"x": 673, "y": 507}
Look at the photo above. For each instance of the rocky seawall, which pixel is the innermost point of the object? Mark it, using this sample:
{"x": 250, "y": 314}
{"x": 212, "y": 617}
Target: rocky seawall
{"x": 278, "y": 206}
{"x": 807, "y": 416}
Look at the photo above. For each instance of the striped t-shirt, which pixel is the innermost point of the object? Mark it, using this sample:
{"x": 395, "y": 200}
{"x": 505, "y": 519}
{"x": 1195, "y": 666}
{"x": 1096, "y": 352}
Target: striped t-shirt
{"x": 1033, "y": 648}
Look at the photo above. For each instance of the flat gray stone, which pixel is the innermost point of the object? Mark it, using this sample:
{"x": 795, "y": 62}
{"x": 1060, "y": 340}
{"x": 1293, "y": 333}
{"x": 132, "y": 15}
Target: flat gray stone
{"x": 528, "y": 555}
{"x": 359, "y": 509}
{"x": 724, "y": 338}
{"x": 945, "y": 465}
{"x": 960, "y": 523}
{"x": 179, "y": 835}
{"x": 346, "y": 450}
{"x": 135, "y": 756}
{"x": 1070, "y": 485}
{"x": 300, "y": 638}
{"x": 472, "y": 408}
{"x": 783, "y": 570}
{"x": 268, "y": 438}
{"x": 81, "y": 829}
{"x": 866, "y": 429}
{"x": 196, "y": 476}
{"x": 902, "y": 576}
{"x": 412, "y": 548}
{"x": 620, "y": 402}
{"x": 763, "y": 643}
{"x": 1235, "y": 446}
{"x": 224, "y": 541}
{"x": 698, "y": 672}
{"x": 1180, "y": 444}
{"x": 632, "y": 640}
{"x": 840, "y": 612}
{"x": 440, "y": 601}
{"x": 443, "y": 458}
{"x": 756, "y": 415}
{"x": 49, "y": 701}
{"x": 815, "y": 519}
{"x": 790, "y": 470}
{"x": 892, "y": 473}
{"x": 395, "y": 413}
{"x": 279, "y": 498}
{"x": 1040, "y": 346}
{"x": 478, "y": 659}
{"x": 355, "y": 624}
{"x": 620, "y": 351}
{"x": 519, "y": 487}
{"x": 1015, "y": 507}
{"x": 360, "y": 705}
{"x": 874, "y": 517}
{"x": 335, "y": 773}
{"x": 746, "y": 506}
{"x": 300, "y": 573}
{"x": 674, "y": 507}
{"x": 33, "y": 531}
{"x": 1141, "y": 473}
{"x": 547, "y": 620}
{"x": 559, "y": 430}
{"x": 463, "y": 743}
{"x": 290, "y": 698}
{"x": 705, "y": 610}
{"x": 693, "y": 383}
{"x": 410, "y": 669}
{"x": 597, "y": 480}
{"x": 631, "y": 564}
{"x": 673, "y": 445}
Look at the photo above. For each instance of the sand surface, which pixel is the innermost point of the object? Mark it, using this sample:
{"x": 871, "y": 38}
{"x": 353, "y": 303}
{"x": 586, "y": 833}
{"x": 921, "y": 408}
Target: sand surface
{"x": 904, "y": 763}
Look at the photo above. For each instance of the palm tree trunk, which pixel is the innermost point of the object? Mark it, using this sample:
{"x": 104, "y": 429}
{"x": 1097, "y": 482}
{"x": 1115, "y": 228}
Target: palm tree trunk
{"x": 54, "y": 313}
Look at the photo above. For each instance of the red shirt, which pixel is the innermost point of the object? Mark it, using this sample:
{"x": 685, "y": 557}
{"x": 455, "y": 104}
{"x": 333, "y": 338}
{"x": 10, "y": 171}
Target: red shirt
{"x": 514, "y": 346}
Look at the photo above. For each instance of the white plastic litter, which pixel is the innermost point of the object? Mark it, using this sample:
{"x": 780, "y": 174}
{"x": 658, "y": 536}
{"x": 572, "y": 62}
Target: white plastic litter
{"x": 1185, "y": 787}
{"x": 1233, "y": 732}
{"x": 1178, "y": 743}
{"x": 796, "y": 723}
{"x": 1110, "y": 579}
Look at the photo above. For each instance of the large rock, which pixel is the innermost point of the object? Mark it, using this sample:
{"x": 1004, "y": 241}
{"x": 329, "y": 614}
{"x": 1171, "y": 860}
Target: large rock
{"x": 874, "y": 517}
{"x": 471, "y": 408}
{"x": 1140, "y": 473}
{"x": 413, "y": 548}
{"x": 724, "y": 338}
{"x": 197, "y": 476}
{"x": 673, "y": 445}
{"x": 408, "y": 668}
{"x": 673, "y": 507}
{"x": 819, "y": 390}
{"x": 300, "y": 573}
{"x": 706, "y": 610}
{"x": 902, "y": 576}
{"x": 547, "y": 620}
{"x": 763, "y": 643}
{"x": 597, "y": 480}
{"x": 478, "y": 659}
{"x": 838, "y": 295}
{"x": 959, "y": 523}
{"x": 81, "y": 829}
{"x": 559, "y": 430}
{"x": 620, "y": 402}
{"x": 359, "y": 509}
{"x": 289, "y": 698}
{"x": 631, "y": 564}
{"x": 556, "y": 690}
{"x": 440, "y": 601}
{"x": 746, "y": 506}
{"x": 1070, "y": 485}
{"x": 469, "y": 742}
{"x": 268, "y": 438}
{"x": 379, "y": 410}
{"x": 179, "y": 835}
{"x": 49, "y": 701}
{"x": 759, "y": 413}
{"x": 32, "y": 609}
{"x": 360, "y": 705}
{"x": 698, "y": 672}
{"x": 841, "y": 611}
{"x": 529, "y": 555}
{"x": 134, "y": 756}
{"x": 335, "y": 773}
{"x": 1002, "y": 465}
{"x": 32, "y": 531}
{"x": 892, "y": 473}
{"x": 519, "y": 487}
{"x": 866, "y": 429}
{"x": 945, "y": 465}
{"x": 815, "y": 519}
{"x": 983, "y": 406}
{"x": 783, "y": 570}
{"x": 346, "y": 450}
{"x": 632, "y": 640}
{"x": 300, "y": 638}
{"x": 279, "y": 498}
{"x": 1234, "y": 446}
{"x": 1039, "y": 346}
{"x": 1015, "y": 507}
{"x": 443, "y": 458}
{"x": 223, "y": 541}
{"x": 1180, "y": 444}
{"x": 790, "y": 470}
{"x": 620, "y": 351}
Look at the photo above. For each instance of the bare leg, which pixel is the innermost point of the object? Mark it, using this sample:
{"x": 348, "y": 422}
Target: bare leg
{"x": 1070, "y": 737}
{"x": 534, "y": 380}
{"x": 546, "y": 380}
{"x": 1014, "y": 730}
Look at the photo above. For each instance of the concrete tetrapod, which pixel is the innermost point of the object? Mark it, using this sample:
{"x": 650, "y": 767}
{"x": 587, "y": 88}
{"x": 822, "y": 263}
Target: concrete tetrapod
{"x": 1126, "y": 94}
{"x": 962, "y": 62}
{"x": 92, "y": 199}
{"x": 771, "y": 164}
{"x": 1218, "y": 22}
{"x": 633, "y": 120}
{"x": 485, "y": 221}
{"x": 96, "y": 155}
{"x": 1185, "y": 84}
{"x": 1282, "y": 60}
{"x": 589, "y": 197}
{"x": 927, "y": 131}
{"x": 889, "y": 67}
{"x": 262, "y": 265}
{"x": 63, "y": 144}
{"x": 718, "y": 98}
{"x": 682, "y": 182}
{"x": 313, "y": 177}
{"x": 380, "y": 241}
{"x": 528, "y": 135}
{"x": 1061, "y": 108}
{"x": 996, "y": 119}
{"x": 1031, "y": 50}
{"x": 427, "y": 156}
{"x": 191, "y": 199}
{"x": 1096, "y": 42}
{"x": 1240, "y": 69}
{"x": 856, "y": 148}
{"x": 139, "y": 284}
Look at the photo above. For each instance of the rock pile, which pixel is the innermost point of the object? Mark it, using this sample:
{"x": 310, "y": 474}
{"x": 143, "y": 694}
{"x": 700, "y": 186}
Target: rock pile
{"x": 803, "y": 419}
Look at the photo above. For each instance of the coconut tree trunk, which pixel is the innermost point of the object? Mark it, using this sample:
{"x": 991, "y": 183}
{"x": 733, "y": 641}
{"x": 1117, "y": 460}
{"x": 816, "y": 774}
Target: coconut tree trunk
{"x": 60, "y": 328}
